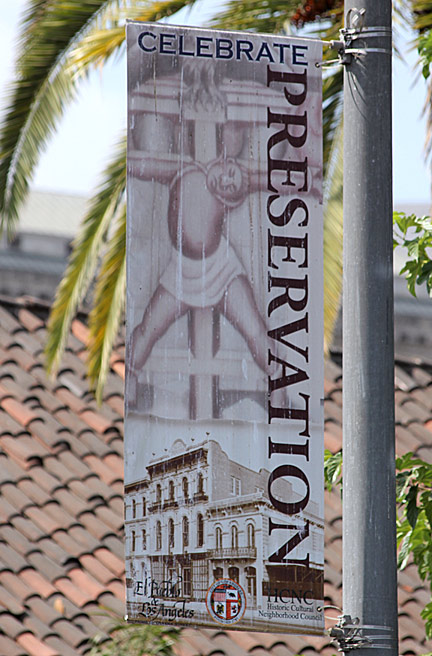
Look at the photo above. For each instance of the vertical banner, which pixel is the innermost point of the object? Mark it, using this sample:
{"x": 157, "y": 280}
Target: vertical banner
{"x": 224, "y": 365}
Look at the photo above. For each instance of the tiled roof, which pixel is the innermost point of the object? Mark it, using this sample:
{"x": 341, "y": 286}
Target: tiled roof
{"x": 61, "y": 504}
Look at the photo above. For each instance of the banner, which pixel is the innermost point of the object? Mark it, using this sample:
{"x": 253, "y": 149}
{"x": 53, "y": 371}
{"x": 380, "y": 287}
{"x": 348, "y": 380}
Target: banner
{"x": 224, "y": 361}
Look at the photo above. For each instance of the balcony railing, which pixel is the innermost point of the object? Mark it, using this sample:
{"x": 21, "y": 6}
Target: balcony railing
{"x": 233, "y": 552}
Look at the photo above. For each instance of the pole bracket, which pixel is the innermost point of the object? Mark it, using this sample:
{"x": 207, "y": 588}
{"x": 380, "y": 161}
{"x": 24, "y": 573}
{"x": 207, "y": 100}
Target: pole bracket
{"x": 348, "y": 634}
{"x": 354, "y": 32}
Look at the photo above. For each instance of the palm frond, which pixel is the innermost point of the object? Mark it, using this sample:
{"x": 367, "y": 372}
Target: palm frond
{"x": 333, "y": 231}
{"x": 108, "y": 304}
{"x": 47, "y": 75}
{"x": 256, "y": 15}
{"x": 84, "y": 257}
{"x": 107, "y": 37}
{"x": 39, "y": 93}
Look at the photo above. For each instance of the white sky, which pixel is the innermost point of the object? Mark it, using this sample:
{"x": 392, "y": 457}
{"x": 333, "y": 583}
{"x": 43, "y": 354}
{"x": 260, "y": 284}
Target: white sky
{"x": 81, "y": 148}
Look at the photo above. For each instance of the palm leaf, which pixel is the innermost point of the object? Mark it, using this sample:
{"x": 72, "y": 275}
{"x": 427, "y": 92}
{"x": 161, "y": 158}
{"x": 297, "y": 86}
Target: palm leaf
{"x": 108, "y": 35}
{"x": 38, "y": 96}
{"x": 256, "y": 15}
{"x": 84, "y": 257}
{"x": 333, "y": 233}
{"x": 105, "y": 317}
{"x": 47, "y": 76}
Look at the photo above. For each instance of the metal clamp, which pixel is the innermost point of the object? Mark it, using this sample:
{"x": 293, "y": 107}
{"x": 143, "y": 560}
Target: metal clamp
{"x": 349, "y": 634}
{"x": 354, "y": 31}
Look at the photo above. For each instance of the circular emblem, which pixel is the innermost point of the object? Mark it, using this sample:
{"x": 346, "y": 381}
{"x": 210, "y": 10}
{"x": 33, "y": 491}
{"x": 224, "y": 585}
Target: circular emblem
{"x": 226, "y": 601}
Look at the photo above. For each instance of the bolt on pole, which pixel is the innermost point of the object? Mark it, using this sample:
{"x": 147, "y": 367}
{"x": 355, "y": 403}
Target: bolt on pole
{"x": 369, "y": 542}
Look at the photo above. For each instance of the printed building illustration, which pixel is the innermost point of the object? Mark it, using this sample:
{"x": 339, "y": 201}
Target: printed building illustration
{"x": 198, "y": 517}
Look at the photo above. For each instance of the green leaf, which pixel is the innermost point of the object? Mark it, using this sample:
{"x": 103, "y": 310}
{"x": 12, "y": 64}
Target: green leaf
{"x": 412, "y": 510}
{"x": 105, "y": 317}
{"x": 404, "y": 552}
{"x": 84, "y": 257}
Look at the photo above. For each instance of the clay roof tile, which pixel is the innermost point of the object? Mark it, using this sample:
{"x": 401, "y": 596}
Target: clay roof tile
{"x": 34, "y": 646}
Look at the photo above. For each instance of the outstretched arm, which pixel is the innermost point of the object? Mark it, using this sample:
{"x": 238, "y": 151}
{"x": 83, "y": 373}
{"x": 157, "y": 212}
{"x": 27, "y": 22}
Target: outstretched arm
{"x": 145, "y": 166}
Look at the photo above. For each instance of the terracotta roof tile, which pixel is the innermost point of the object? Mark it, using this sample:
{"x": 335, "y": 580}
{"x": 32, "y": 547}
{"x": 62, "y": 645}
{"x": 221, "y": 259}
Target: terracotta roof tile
{"x": 10, "y": 647}
{"x": 93, "y": 565}
{"x": 83, "y": 580}
{"x": 60, "y": 646}
{"x": 95, "y": 420}
{"x": 110, "y": 601}
{"x": 33, "y": 492}
{"x": 13, "y": 584}
{"x": 29, "y": 320}
{"x": 62, "y": 508}
{"x": 93, "y": 443}
{"x": 43, "y": 609}
{"x": 107, "y": 475}
{"x": 70, "y": 400}
{"x": 110, "y": 560}
{"x": 71, "y": 633}
{"x": 68, "y": 543}
{"x": 23, "y": 358}
{"x": 44, "y": 565}
{"x": 37, "y": 582}
{"x": 9, "y": 602}
{"x": 78, "y": 596}
{"x": 10, "y": 558}
{"x": 17, "y": 410}
{"x": 34, "y": 646}
{"x": 34, "y": 625}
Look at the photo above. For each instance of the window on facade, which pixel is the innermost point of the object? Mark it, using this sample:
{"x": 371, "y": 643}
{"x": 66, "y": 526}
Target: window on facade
{"x": 200, "y": 530}
{"x": 251, "y": 581}
{"x": 185, "y": 531}
{"x": 171, "y": 490}
{"x": 234, "y": 537}
{"x": 158, "y": 493}
{"x": 218, "y": 573}
{"x": 187, "y": 581}
{"x": 235, "y": 486}
{"x": 171, "y": 533}
{"x": 218, "y": 538}
{"x": 144, "y": 539}
{"x": 133, "y": 541}
{"x": 133, "y": 508}
{"x": 200, "y": 484}
{"x": 158, "y": 536}
{"x": 233, "y": 574}
{"x": 185, "y": 487}
{"x": 144, "y": 507}
{"x": 251, "y": 535}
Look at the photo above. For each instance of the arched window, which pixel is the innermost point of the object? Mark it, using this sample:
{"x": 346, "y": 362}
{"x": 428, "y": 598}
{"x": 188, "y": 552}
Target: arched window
{"x": 251, "y": 535}
{"x": 171, "y": 490}
{"x": 158, "y": 536}
{"x": 233, "y": 574}
{"x": 251, "y": 581}
{"x": 185, "y": 531}
{"x": 200, "y": 530}
{"x": 171, "y": 533}
{"x": 185, "y": 488}
{"x": 234, "y": 537}
{"x": 218, "y": 573}
{"x": 158, "y": 493}
{"x": 133, "y": 541}
{"x": 200, "y": 483}
{"x": 133, "y": 508}
{"x": 144, "y": 539}
{"x": 218, "y": 538}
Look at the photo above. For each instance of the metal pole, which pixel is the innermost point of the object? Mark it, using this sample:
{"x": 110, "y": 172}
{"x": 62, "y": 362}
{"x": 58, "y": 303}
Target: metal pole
{"x": 369, "y": 544}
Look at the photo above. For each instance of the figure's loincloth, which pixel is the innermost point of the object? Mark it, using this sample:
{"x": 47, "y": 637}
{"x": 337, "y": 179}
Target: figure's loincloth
{"x": 202, "y": 283}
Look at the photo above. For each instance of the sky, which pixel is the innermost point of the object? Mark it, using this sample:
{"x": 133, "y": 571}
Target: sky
{"x": 92, "y": 125}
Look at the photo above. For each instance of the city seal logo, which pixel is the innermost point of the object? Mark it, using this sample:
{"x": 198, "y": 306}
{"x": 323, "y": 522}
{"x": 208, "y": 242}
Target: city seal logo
{"x": 226, "y": 601}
